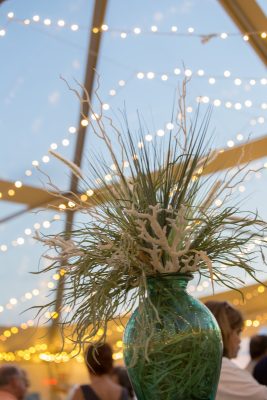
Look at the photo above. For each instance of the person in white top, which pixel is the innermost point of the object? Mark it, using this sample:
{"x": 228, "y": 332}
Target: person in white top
{"x": 235, "y": 383}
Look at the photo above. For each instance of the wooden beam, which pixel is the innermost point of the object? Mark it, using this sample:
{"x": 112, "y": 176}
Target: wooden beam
{"x": 249, "y": 17}
{"x": 92, "y": 59}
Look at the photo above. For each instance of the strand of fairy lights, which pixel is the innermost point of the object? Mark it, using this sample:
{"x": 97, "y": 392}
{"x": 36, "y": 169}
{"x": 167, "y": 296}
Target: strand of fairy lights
{"x": 65, "y": 141}
{"x": 124, "y": 33}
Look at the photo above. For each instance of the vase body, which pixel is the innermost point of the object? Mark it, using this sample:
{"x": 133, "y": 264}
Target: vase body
{"x": 177, "y": 355}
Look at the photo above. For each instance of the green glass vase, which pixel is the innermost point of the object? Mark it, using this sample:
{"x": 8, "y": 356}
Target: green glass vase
{"x": 172, "y": 344}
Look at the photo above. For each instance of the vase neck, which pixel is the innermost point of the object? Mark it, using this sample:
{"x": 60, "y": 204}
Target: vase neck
{"x": 173, "y": 282}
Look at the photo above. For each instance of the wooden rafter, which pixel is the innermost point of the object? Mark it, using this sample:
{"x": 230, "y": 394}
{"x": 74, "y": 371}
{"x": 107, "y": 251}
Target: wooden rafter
{"x": 249, "y": 17}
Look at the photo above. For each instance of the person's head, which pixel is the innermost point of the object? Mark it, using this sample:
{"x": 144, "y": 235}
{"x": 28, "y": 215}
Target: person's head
{"x": 231, "y": 322}
{"x": 99, "y": 359}
{"x": 14, "y": 381}
{"x": 258, "y": 346}
{"x": 120, "y": 376}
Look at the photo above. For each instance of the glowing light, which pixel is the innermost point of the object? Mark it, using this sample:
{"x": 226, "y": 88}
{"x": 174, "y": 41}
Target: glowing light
{"x": 238, "y": 106}
{"x": 84, "y": 197}
{"x": 177, "y": 71}
{"x": 123, "y": 35}
{"x": 112, "y": 92}
{"x": 72, "y": 129}
{"x": 230, "y": 143}
{"x": 10, "y": 15}
{"x": 217, "y": 102}
{"x": 150, "y": 75}
{"x": 228, "y": 104}
{"x": 61, "y": 23}
{"x": 205, "y": 99}
{"x": 160, "y": 132}
{"x": 89, "y": 192}
{"x": 53, "y": 146}
{"x": 121, "y": 82}
{"x": 104, "y": 27}
{"x": 241, "y": 188}
{"x": 154, "y": 28}
{"x": 140, "y": 145}
{"x": 108, "y": 178}
{"x": 18, "y": 184}
{"x": 105, "y": 106}
{"x": 28, "y": 296}
{"x": 3, "y": 247}
{"x": 174, "y": 29}
{"x": 13, "y": 301}
{"x": 36, "y": 18}
{"x": 95, "y": 30}
{"x": 7, "y": 333}
{"x": 200, "y": 72}
{"x": 65, "y": 142}
{"x": 84, "y": 122}
{"x": 188, "y": 72}
{"x": 37, "y": 226}
{"x": 35, "y": 163}
{"x": 56, "y": 277}
{"x": 47, "y": 21}
{"x": 164, "y": 77}
{"x": 35, "y": 292}
{"x": 212, "y": 81}
{"x": 137, "y": 31}
{"x": 28, "y": 172}
{"x": 45, "y": 159}
{"x": 240, "y": 137}
{"x": 149, "y": 138}
{"x": 2, "y": 32}
{"x": 218, "y": 202}
{"x": 252, "y": 82}
{"x": 224, "y": 35}
{"x": 169, "y": 126}
{"x": 246, "y": 38}
{"x": 62, "y": 206}
{"x": 264, "y": 35}
{"x": 14, "y": 330}
{"x": 248, "y": 103}
{"x": 50, "y": 285}
{"x": 261, "y": 289}
{"x": 237, "y": 82}
{"x": 261, "y": 120}
{"x": 1, "y": 308}
{"x": 140, "y": 75}
{"x": 56, "y": 217}
{"x": 46, "y": 224}
{"x": 263, "y": 81}
{"x": 191, "y": 30}
{"x": 26, "y": 21}
{"x": 71, "y": 204}
{"x": 74, "y": 27}
{"x": 227, "y": 74}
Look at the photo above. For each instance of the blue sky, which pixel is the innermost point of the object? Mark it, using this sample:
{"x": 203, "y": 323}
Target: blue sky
{"x": 37, "y": 109}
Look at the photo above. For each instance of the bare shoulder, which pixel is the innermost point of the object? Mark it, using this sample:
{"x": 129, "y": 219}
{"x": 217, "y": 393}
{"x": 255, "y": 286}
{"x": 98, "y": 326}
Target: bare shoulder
{"x": 76, "y": 394}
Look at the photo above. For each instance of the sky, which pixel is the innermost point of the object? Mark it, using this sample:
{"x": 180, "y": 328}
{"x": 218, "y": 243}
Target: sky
{"x": 38, "y": 110}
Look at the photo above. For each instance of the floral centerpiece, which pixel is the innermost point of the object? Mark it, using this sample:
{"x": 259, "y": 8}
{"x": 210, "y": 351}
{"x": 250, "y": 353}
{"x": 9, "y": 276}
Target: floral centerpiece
{"x": 149, "y": 227}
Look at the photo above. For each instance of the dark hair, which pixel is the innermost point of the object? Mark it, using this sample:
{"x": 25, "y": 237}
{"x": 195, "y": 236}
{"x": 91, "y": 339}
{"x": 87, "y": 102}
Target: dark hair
{"x": 7, "y": 372}
{"x": 228, "y": 318}
{"x": 123, "y": 379}
{"x": 99, "y": 359}
{"x": 257, "y": 346}
{"x": 259, "y": 371}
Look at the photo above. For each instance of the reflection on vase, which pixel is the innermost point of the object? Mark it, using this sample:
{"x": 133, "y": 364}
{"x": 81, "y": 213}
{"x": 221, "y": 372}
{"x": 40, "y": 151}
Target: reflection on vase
{"x": 177, "y": 355}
